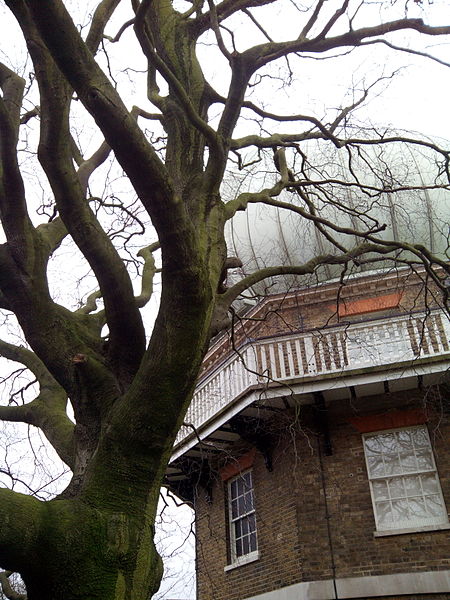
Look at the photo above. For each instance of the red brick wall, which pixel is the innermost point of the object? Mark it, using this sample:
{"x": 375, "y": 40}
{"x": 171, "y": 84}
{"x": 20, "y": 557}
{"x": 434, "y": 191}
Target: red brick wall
{"x": 290, "y": 507}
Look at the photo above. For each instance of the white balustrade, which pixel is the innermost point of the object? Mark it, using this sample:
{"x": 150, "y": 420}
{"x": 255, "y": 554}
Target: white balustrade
{"x": 334, "y": 350}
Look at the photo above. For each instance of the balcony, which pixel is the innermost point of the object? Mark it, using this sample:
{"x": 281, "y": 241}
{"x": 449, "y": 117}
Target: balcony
{"x": 335, "y": 357}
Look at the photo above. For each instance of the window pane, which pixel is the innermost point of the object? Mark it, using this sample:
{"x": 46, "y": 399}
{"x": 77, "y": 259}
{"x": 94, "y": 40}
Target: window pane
{"x": 372, "y": 446}
{"x": 392, "y": 464}
{"x": 396, "y": 488}
{"x": 435, "y": 506}
{"x": 404, "y": 439}
{"x": 238, "y": 528}
{"x": 420, "y": 437}
{"x": 239, "y": 547}
{"x": 408, "y": 461}
{"x": 417, "y": 508}
{"x": 245, "y": 545}
{"x": 233, "y": 489}
{"x": 412, "y": 486}
{"x": 251, "y": 523}
{"x": 376, "y": 466}
{"x": 388, "y": 443}
{"x": 244, "y": 526}
{"x": 253, "y": 545}
{"x": 380, "y": 490}
{"x": 400, "y": 510}
{"x": 384, "y": 514}
{"x": 429, "y": 483}
{"x": 248, "y": 502}
{"x": 241, "y": 505}
{"x": 234, "y": 509}
{"x": 424, "y": 460}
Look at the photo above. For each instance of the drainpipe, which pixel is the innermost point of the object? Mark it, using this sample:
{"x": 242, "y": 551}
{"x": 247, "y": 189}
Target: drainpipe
{"x": 327, "y": 516}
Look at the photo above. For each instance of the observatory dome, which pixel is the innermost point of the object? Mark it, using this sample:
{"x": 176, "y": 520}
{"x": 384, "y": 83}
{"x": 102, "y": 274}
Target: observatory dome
{"x": 266, "y": 235}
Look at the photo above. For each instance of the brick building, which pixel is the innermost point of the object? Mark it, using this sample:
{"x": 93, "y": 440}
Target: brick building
{"x": 316, "y": 450}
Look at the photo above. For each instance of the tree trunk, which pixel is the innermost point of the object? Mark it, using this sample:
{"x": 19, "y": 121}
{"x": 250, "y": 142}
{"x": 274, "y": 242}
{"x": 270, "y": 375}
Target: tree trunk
{"x": 86, "y": 554}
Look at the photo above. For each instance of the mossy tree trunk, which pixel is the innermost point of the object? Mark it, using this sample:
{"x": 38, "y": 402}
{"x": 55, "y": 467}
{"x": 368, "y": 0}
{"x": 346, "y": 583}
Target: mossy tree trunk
{"x": 129, "y": 398}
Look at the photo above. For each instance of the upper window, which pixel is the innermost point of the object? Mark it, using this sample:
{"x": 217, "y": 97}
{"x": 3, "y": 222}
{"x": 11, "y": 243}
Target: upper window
{"x": 405, "y": 488}
{"x": 242, "y": 519}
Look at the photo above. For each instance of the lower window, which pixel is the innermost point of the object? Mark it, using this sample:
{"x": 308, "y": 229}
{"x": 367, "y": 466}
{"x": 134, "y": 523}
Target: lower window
{"x": 242, "y": 518}
{"x": 404, "y": 483}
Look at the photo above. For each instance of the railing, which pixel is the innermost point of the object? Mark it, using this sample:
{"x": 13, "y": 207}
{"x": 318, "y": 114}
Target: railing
{"x": 302, "y": 355}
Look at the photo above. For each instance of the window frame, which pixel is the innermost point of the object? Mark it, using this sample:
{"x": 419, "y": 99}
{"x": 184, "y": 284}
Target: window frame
{"x": 440, "y": 522}
{"x": 253, "y": 554}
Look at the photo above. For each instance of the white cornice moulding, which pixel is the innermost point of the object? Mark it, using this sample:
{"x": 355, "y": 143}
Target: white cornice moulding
{"x": 376, "y": 586}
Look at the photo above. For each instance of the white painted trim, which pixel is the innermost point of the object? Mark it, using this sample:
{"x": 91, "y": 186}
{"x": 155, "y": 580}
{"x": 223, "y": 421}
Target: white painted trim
{"x": 422, "y": 529}
{"x": 376, "y": 586}
{"x": 428, "y": 582}
{"x": 243, "y": 560}
{"x": 305, "y": 389}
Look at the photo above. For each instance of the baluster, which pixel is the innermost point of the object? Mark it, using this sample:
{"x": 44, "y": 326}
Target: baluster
{"x": 443, "y": 343}
{"x": 273, "y": 364}
{"x": 311, "y": 365}
{"x": 244, "y": 368}
{"x": 239, "y": 377}
{"x": 422, "y": 335}
{"x": 342, "y": 346}
{"x": 433, "y": 333}
{"x": 264, "y": 369}
{"x": 205, "y": 405}
{"x": 404, "y": 340}
{"x": 227, "y": 391}
{"x": 195, "y": 414}
{"x": 251, "y": 360}
{"x": 290, "y": 358}
{"x": 301, "y": 368}
{"x": 221, "y": 387}
{"x": 280, "y": 348}
{"x": 318, "y": 353}
{"x": 232, "y": 380}
{"x": 335, "y": 357}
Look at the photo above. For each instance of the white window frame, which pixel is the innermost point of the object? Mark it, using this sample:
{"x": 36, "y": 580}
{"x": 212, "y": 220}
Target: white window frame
{"x": 252, "y": 554}
{"x": 407, "y": 525}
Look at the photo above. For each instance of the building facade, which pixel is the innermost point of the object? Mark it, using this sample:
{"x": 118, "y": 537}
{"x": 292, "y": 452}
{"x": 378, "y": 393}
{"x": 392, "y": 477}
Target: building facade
{"x": 316, "y": 450}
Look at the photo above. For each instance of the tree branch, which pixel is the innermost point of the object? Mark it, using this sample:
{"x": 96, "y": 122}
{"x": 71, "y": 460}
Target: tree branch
{"x": 7, "y": 589}
{"x": 15, "y": 220}
{"x": 148, "y": 273}
{"x": 20, "y": 522}
{"x": 228, "y": 297}
{"x": 262, "y": 54}
{"x": 48, "y": 410}
{"x": 170, "y": 77}
{"x": 88, "y": 166}
{"x": 102, "y": 15}
{"x": 406, "y": 51}
{"x": 225, "y": 9}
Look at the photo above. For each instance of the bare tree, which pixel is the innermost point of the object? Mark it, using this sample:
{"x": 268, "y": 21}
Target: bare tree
{"x": 129, "y": 395}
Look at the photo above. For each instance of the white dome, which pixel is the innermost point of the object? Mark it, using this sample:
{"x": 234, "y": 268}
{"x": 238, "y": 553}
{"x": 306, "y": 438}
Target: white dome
{"x": 265, "y": 235}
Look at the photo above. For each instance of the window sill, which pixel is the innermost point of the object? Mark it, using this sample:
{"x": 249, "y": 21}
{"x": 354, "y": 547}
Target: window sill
{"x": 243, "y": 560}
{"x": 411, "y": 530}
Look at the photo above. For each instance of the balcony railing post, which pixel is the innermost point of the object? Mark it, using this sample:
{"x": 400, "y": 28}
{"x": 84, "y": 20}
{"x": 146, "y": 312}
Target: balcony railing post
{"x": 337, "y": 349}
